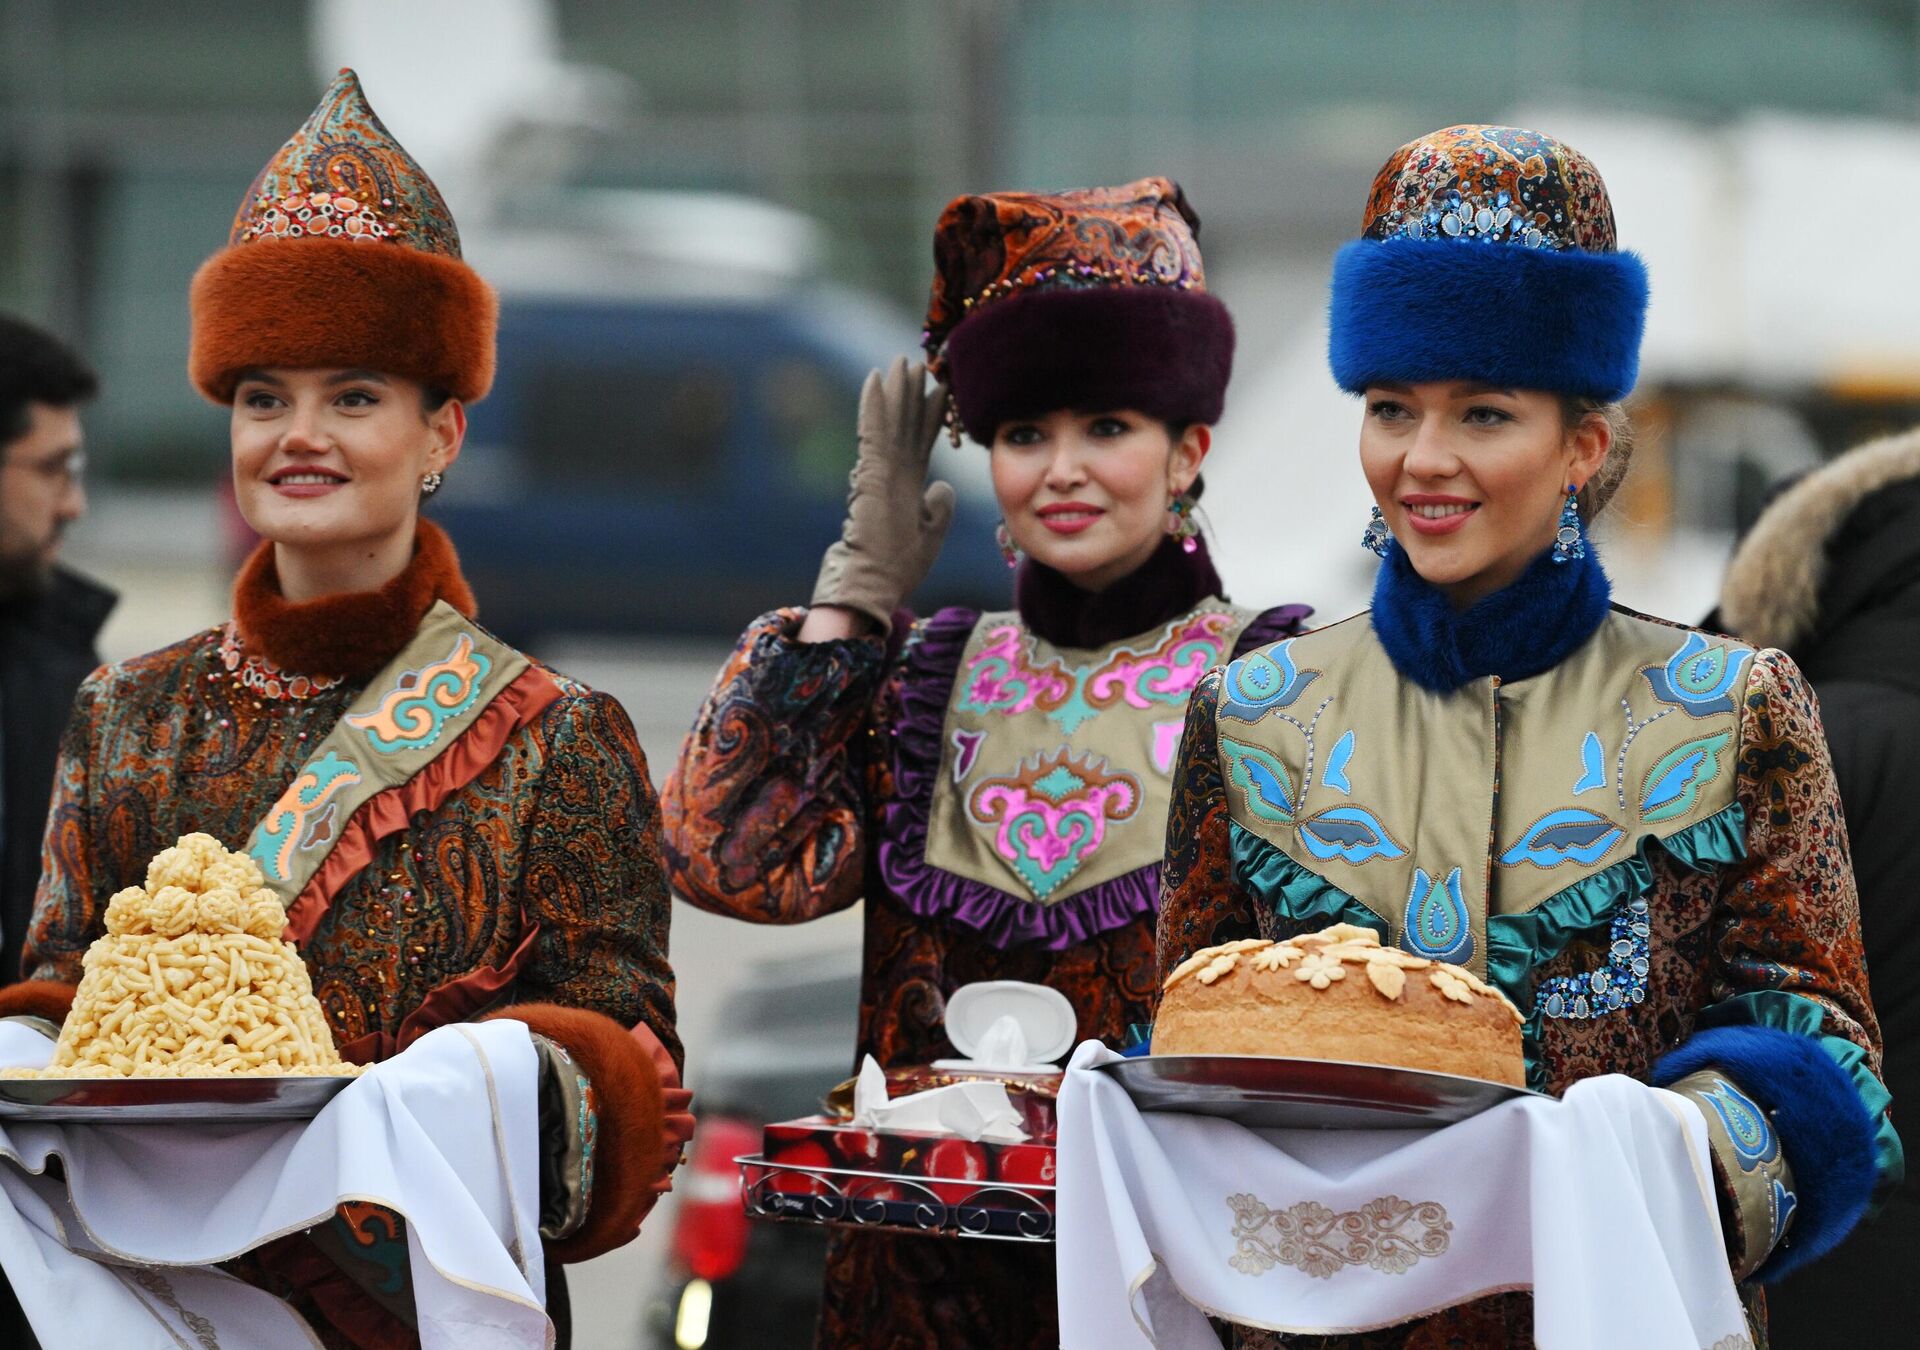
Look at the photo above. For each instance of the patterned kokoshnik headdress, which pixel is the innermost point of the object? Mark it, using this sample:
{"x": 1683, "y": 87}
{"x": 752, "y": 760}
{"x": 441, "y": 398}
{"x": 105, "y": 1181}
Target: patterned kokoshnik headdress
{"x": 343, "y": 254}
{"x": 1488, "y": 253}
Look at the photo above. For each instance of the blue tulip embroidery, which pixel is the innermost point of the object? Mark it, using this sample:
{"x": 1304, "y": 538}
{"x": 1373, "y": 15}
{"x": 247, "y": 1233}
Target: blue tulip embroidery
{"x": 1699, "y": 678}
{"x": 1436, "y": 924}
{"x": 1261, "y": 681}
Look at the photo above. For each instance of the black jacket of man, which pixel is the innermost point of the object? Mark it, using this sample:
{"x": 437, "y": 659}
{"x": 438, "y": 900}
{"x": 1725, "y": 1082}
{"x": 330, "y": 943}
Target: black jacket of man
{"x": 46, "y": 650}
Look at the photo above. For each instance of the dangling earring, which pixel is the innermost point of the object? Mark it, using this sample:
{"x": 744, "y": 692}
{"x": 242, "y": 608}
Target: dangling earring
{"x": 430, "y": 484}
{"x": 1570, "y": 541}
{"x": 1008, "y": 549}
{"x": 1377, "y": 538}
{"x": 1181, "y": 524}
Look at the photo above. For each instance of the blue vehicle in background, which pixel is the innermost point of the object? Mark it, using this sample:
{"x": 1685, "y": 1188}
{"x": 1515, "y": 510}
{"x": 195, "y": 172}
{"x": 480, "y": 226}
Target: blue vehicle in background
{"x": 669, "y": 454}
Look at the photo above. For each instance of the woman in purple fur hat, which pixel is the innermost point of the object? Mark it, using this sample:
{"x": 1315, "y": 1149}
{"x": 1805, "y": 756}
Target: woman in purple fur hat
{"x": 995, "y": 786}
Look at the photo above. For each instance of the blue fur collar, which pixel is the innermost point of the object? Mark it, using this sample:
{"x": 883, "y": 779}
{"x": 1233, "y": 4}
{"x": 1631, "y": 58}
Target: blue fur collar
{"x": 1529, "y": 627}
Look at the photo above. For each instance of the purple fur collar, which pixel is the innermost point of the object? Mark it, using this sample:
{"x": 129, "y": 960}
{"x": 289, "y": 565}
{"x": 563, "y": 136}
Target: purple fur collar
{"x": 1170, "y": 583}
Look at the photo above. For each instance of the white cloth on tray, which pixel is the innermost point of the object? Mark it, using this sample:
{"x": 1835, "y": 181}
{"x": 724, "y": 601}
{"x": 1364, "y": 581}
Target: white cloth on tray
{"x": 1601, "y": 1203}
{"x": 121, "y": 1252}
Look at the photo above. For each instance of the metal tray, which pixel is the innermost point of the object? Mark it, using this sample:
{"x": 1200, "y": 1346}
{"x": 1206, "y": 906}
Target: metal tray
{"x": 1325, "y": 1094}
{"x": 164, "y": 1101}
{"x": 994, "y": 1211}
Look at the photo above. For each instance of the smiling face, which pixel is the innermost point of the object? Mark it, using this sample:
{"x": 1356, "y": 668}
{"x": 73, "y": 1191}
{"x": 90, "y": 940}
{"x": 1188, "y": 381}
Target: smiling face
{"x": 331, "y": 460}
{"x": 1087, "y": 493}
{"x": 1472, "y": 479}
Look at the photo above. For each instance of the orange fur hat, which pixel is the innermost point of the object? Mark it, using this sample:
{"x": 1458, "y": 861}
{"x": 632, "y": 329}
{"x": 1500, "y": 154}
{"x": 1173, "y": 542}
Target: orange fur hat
{"x": 343, "y": 254}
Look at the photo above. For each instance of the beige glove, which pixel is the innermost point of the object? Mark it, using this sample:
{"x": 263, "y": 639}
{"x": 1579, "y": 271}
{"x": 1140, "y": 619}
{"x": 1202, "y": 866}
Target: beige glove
{"x": 895, "y": 518}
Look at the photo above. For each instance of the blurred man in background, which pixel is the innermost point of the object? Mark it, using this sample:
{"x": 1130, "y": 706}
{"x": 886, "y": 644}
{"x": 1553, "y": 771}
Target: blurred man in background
{"x": 1830, "y": 574}
{"x": 49, "y": 617}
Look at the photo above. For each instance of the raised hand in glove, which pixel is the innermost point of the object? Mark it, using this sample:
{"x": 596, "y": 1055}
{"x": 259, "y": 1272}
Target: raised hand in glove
{"x": 895, "y": 518}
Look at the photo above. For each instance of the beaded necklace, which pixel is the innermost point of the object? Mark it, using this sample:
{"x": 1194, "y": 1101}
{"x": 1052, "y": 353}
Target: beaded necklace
{"x": 263, "y": 679}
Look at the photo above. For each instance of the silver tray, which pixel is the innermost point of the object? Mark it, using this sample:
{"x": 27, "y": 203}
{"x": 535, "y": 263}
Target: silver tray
{"x": 1325, "y": 1094}
{"x": 890, "y": 1202}
{"x": 163, "y": 1101}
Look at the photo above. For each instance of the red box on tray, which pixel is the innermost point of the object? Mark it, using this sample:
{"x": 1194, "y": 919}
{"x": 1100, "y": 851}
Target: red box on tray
{"x": 990, "y": 1183}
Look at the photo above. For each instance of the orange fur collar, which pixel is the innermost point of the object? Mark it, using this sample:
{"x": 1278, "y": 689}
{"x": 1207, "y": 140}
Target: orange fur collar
{"x": 354, "y": 634}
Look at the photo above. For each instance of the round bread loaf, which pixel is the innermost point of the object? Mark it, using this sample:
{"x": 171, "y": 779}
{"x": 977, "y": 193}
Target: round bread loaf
{"x": 1339, "y": 995}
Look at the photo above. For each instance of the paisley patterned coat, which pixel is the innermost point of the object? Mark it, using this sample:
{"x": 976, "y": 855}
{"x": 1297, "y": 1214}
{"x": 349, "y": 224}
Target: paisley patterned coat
{"x": 533, "y": 888}
{"x": 555, "y": 839}
{"x": 808, "y": 784}
{"x": 1630, "y": 881}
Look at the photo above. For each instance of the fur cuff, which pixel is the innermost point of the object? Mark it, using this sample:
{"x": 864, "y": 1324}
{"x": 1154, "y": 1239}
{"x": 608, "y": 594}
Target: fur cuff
{"x": 38, "y": 998}
{"x": 1414, "y": 310}
{"x": 1159, "y": 350}
{"x": 1825, "y": 1130}
{"x": 332, "y": 303}
{"x": 630, "y": 1139}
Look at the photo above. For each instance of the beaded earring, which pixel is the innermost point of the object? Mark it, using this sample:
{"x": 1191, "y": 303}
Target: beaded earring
{"x": 1377, "y": 538}
{"x": 1181, "y": 524}
{"x": 1008, "y": 549}
{"x": 430, "y": 484}
{"x": 1570, "y": 540}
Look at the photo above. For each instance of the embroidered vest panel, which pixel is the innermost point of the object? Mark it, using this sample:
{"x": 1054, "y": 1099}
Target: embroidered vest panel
{"x": 1056, "y": 763}
{"x": 1436, "y": 811}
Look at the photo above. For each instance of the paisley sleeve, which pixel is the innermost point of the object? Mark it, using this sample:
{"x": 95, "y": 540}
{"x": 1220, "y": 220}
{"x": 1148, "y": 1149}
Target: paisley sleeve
{"x": 765, "y": 811}
{"x": 1200, "y": 902}
{"x": 68, "y": 911}
{"x": 594, "y": 882}
{"x": 1789, "y": 1025}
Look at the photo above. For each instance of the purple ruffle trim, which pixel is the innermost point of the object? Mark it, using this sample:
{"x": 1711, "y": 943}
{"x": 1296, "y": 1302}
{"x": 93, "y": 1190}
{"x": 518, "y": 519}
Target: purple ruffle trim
{"x": 1282, "y": 621}
{"x": 931, "y": 665}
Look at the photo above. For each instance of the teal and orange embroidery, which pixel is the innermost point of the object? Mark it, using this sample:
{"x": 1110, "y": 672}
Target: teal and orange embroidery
{"x": 1051, "y": 817}
{"x": 1004, "y": 679}
{"x": 304, "y": 814}
{"x": 412, "y": 714}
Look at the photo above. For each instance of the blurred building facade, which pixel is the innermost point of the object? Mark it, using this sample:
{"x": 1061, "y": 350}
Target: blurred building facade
{"x": 125, "y": 127}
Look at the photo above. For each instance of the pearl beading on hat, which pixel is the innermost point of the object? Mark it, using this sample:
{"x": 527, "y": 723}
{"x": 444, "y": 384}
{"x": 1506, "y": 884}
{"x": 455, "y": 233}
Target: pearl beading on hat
{"x": 318, "y": 215}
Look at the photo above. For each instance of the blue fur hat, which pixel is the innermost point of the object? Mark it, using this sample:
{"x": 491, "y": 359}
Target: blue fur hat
{"x": 1488, "y": 254}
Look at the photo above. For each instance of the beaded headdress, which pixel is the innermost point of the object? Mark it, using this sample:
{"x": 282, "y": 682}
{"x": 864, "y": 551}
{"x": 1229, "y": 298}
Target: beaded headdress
{"x": 1094, "y": 299}
{"x": 342, "y": 254}
{"x": 1488, "y": 253}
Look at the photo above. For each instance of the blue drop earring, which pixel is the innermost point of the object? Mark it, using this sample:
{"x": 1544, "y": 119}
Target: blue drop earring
{"x": 1570, "y": 540}
{"x": 1378, "y": 538}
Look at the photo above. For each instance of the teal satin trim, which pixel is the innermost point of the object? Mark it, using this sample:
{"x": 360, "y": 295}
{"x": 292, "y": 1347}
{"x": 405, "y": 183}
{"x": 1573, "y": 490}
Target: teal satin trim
{"x": 1295, "y": 894}
{"x": 1517, "y": 944}
{"x": 1799, "y": 1014}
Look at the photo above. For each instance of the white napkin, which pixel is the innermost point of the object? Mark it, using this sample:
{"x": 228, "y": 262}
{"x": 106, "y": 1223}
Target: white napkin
{"x": 973, "y": 1111}
{"x": 120, "y": 1253}
{"x": 1601, "y": 1203}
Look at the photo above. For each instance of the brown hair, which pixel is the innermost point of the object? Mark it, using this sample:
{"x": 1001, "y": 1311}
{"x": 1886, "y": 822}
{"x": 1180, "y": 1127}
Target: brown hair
{"x": 1598, "y": 490}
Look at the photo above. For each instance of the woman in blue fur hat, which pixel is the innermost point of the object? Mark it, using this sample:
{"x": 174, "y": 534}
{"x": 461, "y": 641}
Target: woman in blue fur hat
{"x": 1665, "y": 889}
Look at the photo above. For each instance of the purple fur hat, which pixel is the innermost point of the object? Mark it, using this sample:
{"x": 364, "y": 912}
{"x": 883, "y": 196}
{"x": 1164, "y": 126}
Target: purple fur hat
{"x": 1091, "y": 300}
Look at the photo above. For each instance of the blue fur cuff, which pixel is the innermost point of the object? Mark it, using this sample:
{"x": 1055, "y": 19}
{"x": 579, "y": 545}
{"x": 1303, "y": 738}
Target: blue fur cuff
{"x": 1412, "y": 310}
{"x": 1824, "y": 1128}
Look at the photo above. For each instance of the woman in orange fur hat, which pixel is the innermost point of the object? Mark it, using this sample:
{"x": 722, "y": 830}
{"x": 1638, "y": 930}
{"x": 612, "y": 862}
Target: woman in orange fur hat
{"x": 467, "y": 833}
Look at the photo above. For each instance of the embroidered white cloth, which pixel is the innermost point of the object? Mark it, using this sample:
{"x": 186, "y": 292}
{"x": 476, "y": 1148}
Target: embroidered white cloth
{"x": 1600, "y": 1202}
{"x": 120, "y": 1252}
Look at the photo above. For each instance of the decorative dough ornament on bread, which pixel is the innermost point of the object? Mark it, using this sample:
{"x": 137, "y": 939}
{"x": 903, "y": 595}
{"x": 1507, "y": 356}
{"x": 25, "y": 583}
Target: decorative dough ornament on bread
{"x": 1339, "y": 995}
{"x": 193, "y": 979}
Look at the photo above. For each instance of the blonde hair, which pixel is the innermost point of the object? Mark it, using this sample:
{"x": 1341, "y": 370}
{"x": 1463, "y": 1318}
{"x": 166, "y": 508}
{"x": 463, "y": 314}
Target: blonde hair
{"x": 1598, "y": 490}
